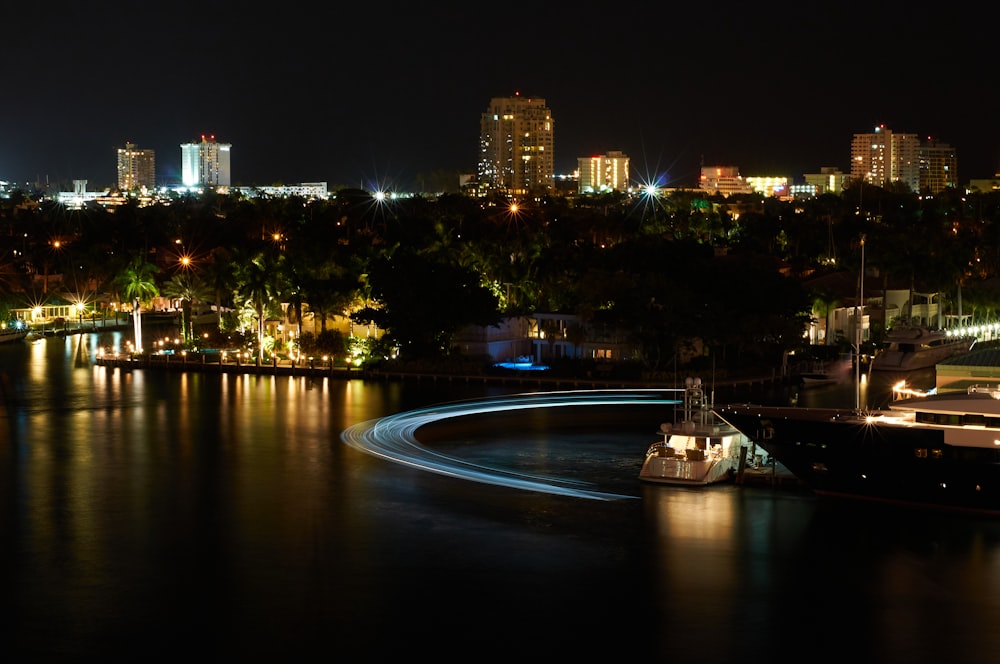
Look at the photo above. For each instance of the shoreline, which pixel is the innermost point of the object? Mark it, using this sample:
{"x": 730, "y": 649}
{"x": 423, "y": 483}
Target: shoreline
{"x": 320, "y": 369}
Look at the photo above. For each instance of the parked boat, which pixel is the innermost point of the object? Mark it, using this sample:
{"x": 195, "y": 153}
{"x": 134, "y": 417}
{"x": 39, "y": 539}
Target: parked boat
{"x": 934, "y": 451}
{"x": 699, "y": 450}
{"x": 915, "y": 347}
{"x": 15, "y": 330}
{"x": 816, "y": 379}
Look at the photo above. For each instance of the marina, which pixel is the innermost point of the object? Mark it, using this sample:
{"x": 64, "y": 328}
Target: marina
{"x": 917, "y": 347}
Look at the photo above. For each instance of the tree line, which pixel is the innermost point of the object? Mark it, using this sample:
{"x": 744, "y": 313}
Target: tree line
{"x": 662, "y": 268}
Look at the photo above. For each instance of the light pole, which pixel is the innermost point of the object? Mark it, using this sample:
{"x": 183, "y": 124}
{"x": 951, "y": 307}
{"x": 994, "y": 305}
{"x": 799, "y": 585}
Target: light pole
{"x": 859, "y": 322}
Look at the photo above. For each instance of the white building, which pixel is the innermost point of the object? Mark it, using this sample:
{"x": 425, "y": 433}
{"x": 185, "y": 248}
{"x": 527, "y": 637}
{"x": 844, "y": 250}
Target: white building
{"x": 206, "y": 163}
{"x": 303, "y": 190}
{"x": 79, "y": 197}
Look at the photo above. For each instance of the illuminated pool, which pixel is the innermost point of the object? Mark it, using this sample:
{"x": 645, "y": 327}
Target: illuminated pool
{"x": 521, "y": 366}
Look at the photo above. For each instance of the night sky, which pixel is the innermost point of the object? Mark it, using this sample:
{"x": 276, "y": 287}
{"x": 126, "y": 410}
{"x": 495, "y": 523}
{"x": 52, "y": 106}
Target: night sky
{"x": 372, "y": 95}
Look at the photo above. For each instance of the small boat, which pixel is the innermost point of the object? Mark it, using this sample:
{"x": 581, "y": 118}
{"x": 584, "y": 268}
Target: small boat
{"x": 15, "y": 330}
{"x": 931, "y": 451}
{"x": 817, "y": 379}
{"x": 916, "y": 347}
{"x": 699, "y": 450}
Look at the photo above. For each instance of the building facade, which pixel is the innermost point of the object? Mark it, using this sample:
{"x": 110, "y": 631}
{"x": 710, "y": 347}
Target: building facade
{"x": 601, "y": 174}
{"x": 775, "y": 186}
{"x": 884, "y": 157}
{"x": 136, "y": 168}
{"x": 723, "y": 180}
{"x": 516, "y": 145}
{"x": 829, "y": 180}
{"x": 938, "y": 166}
{"x": 309, "y": 190}
{"x": 206, "y": 163}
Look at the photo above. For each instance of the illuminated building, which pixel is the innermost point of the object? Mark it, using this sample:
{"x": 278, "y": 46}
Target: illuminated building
{"x": 516, "y": 146}
{"x": 775, "y": 186}
{"x": 205, "y": 163}
{"x": 304, "y": 190}
{"x": 884, "y": 157}
{"x": 829, "y": 180}
{"x": 600, "y": 174}
{"x": 723, "y": 180}
{"x": 79, "y": 197}
{"x": 983, "y": 185}
{"x": 938, "y": 166}
{"x": 136, "y": 168}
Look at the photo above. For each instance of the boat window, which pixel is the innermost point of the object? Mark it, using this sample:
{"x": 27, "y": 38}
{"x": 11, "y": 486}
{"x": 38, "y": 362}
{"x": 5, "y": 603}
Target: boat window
{"x": 948, "y": 419}
{"x": 920, "y": 453}
{"x": 974, "y": 419}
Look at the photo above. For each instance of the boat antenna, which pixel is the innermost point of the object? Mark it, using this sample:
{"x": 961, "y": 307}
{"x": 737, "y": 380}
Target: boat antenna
{"x": 859, "y": 314}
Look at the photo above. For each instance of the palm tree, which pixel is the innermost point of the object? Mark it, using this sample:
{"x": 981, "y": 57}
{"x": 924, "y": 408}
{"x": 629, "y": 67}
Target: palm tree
{"x": 188, "y": 289}
{"x": 258, "y": 283}
{"x": 138, "y": 286}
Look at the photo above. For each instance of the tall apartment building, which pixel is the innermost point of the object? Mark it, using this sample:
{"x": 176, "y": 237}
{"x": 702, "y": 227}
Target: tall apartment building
{"x": 136, "y": 168}
{"x": 599, "y": 174}
{"x": 883, "y": 157}
{"x": 938, "y": 166}
{"x": 516, "y": 146}
{"x": 205, "y": 163}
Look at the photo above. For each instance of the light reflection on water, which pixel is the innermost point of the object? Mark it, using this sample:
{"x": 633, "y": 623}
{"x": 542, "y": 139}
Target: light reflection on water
{"x": 224, "y": 514}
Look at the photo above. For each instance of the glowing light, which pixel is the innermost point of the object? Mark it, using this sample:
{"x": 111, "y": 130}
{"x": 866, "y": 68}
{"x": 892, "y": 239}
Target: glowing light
{"x": 393, "y": 438}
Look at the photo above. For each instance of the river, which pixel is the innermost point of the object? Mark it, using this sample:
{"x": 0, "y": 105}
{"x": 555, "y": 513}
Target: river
{"x": 152, "y": 515}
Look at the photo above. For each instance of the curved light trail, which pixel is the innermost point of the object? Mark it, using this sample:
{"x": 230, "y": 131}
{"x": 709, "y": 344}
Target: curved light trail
{"x": 393, "y": 438}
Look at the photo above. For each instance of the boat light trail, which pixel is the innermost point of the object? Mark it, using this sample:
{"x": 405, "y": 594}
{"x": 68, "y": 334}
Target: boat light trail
{"x": 393, "y": 437}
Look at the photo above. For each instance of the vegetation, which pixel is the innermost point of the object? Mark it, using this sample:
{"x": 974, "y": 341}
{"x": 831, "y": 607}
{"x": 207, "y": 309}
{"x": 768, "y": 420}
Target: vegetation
{"x": 668, "y": 270}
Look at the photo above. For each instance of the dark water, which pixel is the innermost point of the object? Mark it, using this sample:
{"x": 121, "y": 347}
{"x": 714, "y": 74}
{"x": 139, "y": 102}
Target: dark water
{"x": 156, "y": 516}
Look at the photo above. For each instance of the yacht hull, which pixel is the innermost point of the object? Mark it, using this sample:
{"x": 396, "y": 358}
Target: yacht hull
{"x": 836, "y": 453}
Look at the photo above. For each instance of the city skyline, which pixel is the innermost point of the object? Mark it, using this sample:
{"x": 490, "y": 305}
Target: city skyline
{"x": 352, "y": 99}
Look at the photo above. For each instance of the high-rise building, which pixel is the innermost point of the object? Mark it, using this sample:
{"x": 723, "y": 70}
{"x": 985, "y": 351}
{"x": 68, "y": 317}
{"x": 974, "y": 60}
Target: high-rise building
{"x": 136, "y": 168}
{"x": 938, "y": 166}
{"x": 206, "y": 163}
{"x": 883, "y": 157}
{"x": 600, "y": 174}
{"x": 516, "y": 146}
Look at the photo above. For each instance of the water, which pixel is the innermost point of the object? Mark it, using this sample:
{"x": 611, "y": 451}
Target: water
{"x": 150, "y": 516}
